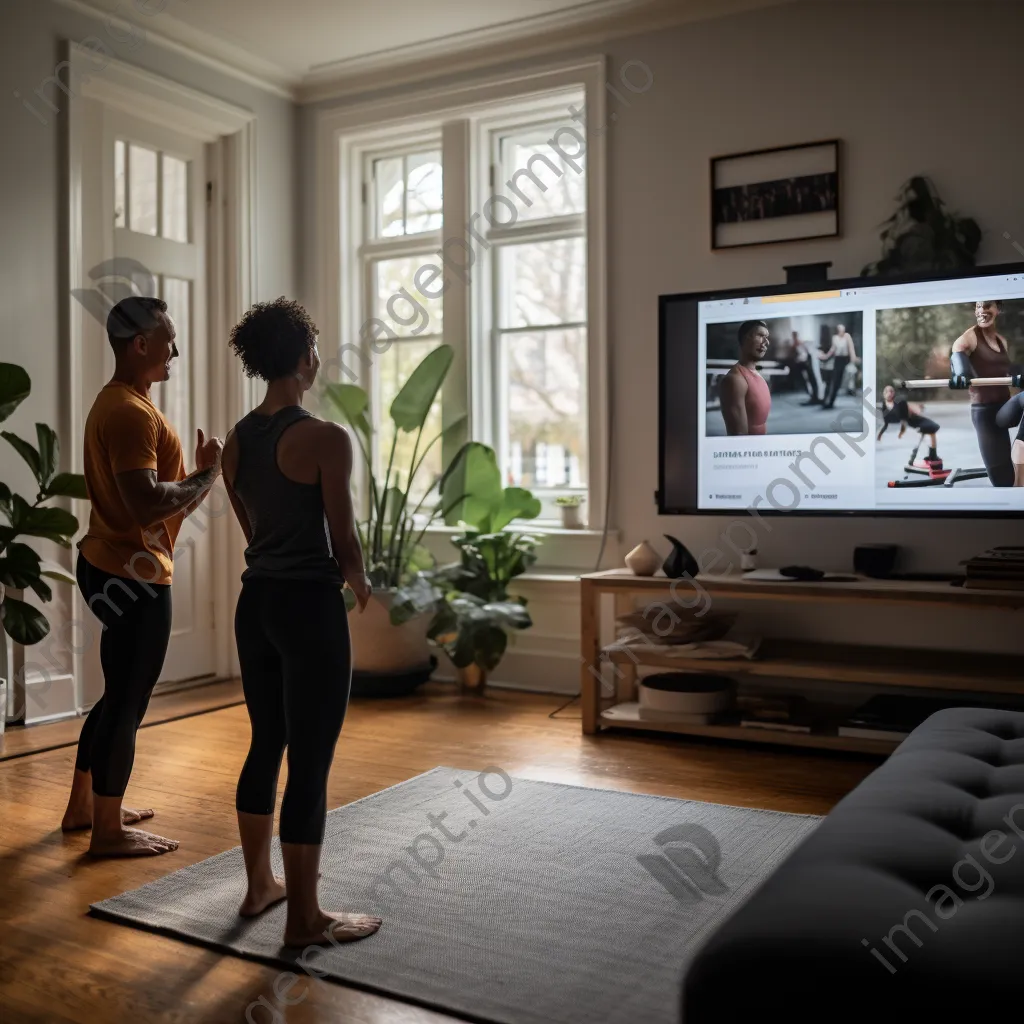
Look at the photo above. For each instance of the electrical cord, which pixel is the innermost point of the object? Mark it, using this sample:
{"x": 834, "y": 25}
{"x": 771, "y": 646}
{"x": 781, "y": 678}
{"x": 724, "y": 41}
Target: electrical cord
{"x": 604, "y": 539}
{"x": 607, "y": 480}
{"x": 562, "y": 707}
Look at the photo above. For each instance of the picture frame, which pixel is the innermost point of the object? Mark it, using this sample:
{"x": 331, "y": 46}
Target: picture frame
{"x": 782, "y": 194}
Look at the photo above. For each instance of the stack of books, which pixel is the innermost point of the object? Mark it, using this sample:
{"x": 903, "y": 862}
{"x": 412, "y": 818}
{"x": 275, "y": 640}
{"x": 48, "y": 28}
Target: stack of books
{"x": 999, "y": 568}
{"x": 782, "y": 712}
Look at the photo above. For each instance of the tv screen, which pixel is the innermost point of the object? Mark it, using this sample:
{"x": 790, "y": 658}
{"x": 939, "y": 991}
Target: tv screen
{"x": 868, "y": 396}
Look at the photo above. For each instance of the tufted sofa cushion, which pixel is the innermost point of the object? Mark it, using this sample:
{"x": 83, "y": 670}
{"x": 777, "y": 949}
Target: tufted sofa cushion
{"x": 907, "y": 902}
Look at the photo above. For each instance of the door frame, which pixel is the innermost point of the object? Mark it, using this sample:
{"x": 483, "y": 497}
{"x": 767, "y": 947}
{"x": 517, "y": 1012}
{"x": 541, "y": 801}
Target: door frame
{"x": 229, "y": 133}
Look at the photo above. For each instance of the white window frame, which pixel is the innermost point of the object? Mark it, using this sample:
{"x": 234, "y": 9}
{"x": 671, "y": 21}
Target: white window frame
{"x": 373, "y": 249}
{"x": 343, "y": 134}
{"x": 489, "y": 425}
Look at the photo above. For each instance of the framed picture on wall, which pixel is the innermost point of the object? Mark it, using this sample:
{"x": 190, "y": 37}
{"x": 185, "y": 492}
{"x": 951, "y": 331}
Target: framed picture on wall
{"x": 785, "y": 194}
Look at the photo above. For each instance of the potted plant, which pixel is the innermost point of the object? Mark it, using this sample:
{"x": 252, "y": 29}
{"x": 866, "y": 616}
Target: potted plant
{"x": 923, "y": 235}
{"x": 472, "y": 611}
{"x": 393, "y": 656}
{"x": 570, "y": 506}
{"x": 20, "y": 567}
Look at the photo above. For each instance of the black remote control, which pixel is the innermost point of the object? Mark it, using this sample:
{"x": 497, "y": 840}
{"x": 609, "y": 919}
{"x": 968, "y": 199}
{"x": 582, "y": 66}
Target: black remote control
{"x": 801, "y": 572}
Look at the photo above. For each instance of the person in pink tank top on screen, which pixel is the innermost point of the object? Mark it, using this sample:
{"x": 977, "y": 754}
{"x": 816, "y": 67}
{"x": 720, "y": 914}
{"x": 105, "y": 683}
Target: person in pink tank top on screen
{"x": 745, "y": 396}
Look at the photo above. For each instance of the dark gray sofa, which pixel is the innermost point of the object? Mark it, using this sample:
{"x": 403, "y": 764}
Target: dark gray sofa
{"x": 906, "y": 903}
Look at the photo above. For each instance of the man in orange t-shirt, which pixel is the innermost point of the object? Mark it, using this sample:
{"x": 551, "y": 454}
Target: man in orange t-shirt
{"x": 140, "y": 495}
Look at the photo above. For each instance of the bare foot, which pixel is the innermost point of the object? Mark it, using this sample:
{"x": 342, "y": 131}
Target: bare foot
{"x": 76, "y": 819}
{"x": 132, "y": 842}
{"x": 259, "y": 898}
{"x": 332, "y": 928}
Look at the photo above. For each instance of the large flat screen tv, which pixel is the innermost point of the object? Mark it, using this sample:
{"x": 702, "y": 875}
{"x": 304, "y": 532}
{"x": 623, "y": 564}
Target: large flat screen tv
{"x": 845, "y": 397}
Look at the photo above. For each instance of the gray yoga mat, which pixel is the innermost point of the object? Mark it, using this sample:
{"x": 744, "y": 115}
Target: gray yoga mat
{"x": 504, "y": 900}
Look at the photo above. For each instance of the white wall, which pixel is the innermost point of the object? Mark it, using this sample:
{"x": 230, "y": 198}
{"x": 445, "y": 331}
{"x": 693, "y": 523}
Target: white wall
{"x": 910, "y": 87}
{"x": 31, "y": 244}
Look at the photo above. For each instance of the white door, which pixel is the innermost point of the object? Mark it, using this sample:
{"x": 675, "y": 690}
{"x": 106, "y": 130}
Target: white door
{"x": 157, "y": 181}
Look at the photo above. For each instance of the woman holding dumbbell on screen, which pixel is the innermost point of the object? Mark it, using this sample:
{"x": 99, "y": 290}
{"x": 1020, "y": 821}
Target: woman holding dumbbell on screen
{"x": 982, "y": 351}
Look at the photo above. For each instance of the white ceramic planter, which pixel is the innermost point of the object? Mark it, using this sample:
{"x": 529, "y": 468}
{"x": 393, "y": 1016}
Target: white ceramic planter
{"x": 571, "y": 517}
{"x": 378, "y": 646}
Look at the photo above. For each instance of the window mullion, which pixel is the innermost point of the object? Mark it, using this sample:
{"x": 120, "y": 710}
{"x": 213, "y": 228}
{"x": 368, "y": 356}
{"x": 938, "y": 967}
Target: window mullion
{"x": 425, "y": 245}
{"x": 457, "y": 297}
{"x": 539, "y": 230}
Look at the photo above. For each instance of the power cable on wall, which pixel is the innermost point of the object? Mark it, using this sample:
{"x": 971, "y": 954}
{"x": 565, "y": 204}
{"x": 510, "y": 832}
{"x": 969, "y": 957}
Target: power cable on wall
{"x": 604, "y": 531}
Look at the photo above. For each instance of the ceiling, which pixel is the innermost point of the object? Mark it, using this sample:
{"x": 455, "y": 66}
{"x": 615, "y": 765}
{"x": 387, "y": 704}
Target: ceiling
{"x": 312, "y": 48}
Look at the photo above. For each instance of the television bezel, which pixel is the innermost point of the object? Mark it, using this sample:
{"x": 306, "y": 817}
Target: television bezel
{"x": 803, "y": 288}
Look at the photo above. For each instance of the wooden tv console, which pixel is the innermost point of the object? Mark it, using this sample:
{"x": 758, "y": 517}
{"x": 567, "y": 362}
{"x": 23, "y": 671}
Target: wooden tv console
{"x": 992, "y": 674}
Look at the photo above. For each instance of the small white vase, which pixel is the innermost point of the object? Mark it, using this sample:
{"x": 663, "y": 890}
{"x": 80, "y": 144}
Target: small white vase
{"x": 643, "y": 560}
{"x": 571, "y": 517}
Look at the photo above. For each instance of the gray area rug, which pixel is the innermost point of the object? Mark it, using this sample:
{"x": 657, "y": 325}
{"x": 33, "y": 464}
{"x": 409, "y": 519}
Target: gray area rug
{"x": 504, "y": 900}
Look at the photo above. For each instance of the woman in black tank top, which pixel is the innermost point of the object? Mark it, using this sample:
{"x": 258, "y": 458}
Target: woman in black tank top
{"x": 287, "y": 475}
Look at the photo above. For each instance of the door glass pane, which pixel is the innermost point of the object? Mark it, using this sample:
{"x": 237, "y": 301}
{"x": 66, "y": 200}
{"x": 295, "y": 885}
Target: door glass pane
{"x": 543, "y": 283}
{"x": 543, "y": 380}
{"x": 394, "y": 368}
{"x": 538, "y": 181}
{"x": 423, "y": 192}
{"x": 120, "y": 218}
{"x": 175, "y": 199}
{"x": 142, "y": 193}
{"x": 403, "y": 291}
{"x": 389, "y": 190}
{"x": 174, "y": 397}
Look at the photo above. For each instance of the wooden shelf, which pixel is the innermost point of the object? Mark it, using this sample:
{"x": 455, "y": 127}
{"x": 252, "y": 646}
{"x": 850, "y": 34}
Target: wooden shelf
{"x": 876, "y": 591}
{"x": 847, "y": 663}
{"x": 627, "y": 716}
{"x": 904, "y": 667}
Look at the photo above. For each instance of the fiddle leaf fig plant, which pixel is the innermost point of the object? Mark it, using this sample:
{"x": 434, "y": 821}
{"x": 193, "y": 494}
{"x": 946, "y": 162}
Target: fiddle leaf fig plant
{"x": 392, "y": 532}
{"x": 21, "y": 568}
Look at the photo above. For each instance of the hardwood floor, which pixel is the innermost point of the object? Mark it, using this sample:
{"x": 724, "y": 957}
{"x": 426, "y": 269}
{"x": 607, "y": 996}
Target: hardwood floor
{"x": 162, "y": 708}
{"x": 57, "y": 964}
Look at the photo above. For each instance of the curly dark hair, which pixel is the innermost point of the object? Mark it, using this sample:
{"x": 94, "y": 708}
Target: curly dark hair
{"x": 272, "y": 337}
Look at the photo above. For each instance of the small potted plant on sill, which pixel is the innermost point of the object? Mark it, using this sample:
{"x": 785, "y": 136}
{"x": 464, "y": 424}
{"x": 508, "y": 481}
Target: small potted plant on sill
{"x": 472, "y": 610}
{"x": 570, "y": 506}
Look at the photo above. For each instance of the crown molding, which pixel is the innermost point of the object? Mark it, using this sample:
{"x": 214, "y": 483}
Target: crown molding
{"x": 176, "y": 37}
{"x": 587, "y": 25}
{"x": 502, "y": 44}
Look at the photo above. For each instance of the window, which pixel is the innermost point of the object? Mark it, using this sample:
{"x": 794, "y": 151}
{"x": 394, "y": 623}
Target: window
{"x": 402, "y": 221}
{"x": 539, "y": 332}
{"x": 151, "y": 192}
{"x": 505, "y": 281}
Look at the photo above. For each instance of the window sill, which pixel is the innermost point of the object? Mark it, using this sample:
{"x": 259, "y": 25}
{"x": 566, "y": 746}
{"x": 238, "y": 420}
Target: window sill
{"x": 562, "y": 554}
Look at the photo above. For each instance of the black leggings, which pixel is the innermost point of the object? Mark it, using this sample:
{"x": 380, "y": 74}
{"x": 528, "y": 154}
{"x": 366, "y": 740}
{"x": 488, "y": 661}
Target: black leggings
{"x": 994, "y": 443}
{"x": 1011, "y": 415}
{"x": 136, "y": 622}
{"x": 923, "y": 424}
{"x": 296, "y": 660}
{"x": 839, "y": 365}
